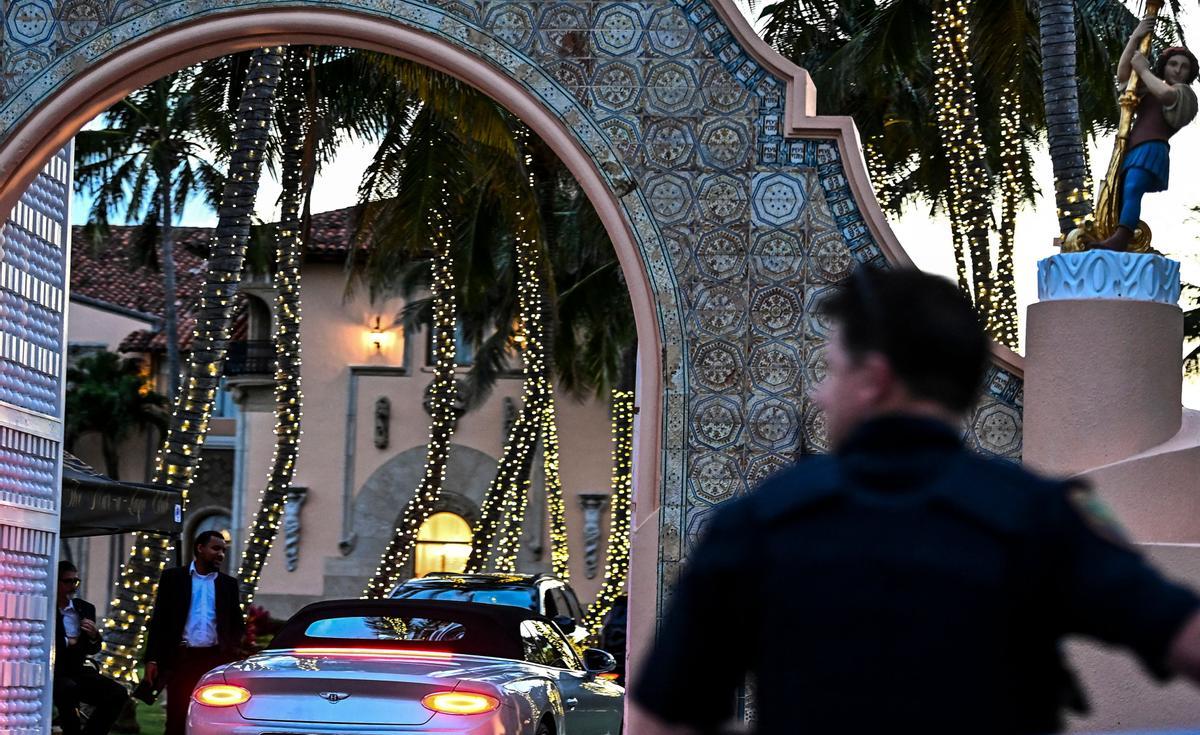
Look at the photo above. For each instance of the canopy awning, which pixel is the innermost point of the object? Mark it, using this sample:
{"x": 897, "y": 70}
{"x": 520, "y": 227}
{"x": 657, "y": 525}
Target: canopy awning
{"x": 96, "y": 505}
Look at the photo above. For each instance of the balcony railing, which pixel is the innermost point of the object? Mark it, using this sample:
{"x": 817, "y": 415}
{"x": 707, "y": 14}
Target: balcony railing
{"x": 250, "y": 357}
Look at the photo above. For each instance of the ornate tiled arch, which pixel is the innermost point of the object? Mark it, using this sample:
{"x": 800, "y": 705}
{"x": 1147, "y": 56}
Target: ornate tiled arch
{"x": 742, "y": 207}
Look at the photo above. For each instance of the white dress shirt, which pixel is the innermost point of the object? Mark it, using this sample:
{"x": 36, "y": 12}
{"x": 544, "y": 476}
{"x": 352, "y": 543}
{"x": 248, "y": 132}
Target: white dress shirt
{"x": 70, "y": 618}
{"x": 200, "y": 630}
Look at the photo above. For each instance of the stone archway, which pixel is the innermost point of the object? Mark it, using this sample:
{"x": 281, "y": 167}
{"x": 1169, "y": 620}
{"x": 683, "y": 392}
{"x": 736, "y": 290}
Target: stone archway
{"x": 732, "y": 207}
{"x": 379, "y": 502}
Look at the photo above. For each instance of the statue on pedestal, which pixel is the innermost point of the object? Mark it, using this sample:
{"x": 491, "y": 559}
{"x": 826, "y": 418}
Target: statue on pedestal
{"x": 1151, "y": 112}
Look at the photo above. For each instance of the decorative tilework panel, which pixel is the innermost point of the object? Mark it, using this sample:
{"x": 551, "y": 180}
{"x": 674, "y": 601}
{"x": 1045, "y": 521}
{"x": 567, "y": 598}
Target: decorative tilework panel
{"x": 32, "y": 295}
{"x": 24, "y": 613}
{"x": 740, "y": 229}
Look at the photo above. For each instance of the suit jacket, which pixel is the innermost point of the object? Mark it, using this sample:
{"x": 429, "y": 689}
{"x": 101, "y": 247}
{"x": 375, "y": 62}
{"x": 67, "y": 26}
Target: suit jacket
{"x": 69, "y": 659}
{"x": 171, "y": 606}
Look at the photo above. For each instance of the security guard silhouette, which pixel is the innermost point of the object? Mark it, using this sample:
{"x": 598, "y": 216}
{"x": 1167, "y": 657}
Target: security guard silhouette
{"x": 903, "y": 583}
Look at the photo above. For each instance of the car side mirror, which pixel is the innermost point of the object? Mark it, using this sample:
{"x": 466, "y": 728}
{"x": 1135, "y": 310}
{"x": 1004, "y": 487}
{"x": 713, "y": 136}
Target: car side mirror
{"x": 598, "y": 661}
{"x": 565, "y": 624}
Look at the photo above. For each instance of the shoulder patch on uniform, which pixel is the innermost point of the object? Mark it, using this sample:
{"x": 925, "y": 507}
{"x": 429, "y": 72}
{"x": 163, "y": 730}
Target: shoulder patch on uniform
{"x": 1098, "y": 516}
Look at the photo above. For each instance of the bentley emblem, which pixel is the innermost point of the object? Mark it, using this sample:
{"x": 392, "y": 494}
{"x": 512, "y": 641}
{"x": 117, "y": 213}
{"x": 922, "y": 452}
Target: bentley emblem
{"x": 333, "y": 697}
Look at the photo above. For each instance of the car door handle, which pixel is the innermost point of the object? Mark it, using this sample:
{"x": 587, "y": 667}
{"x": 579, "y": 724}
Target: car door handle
{"x": 571, "y": 702}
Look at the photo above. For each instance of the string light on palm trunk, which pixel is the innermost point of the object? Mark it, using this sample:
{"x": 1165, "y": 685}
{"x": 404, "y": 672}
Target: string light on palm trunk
{"x": 443, "y": 392}
{"x": 496, "y": 539}
{"x": 179, "y": 456}
{"x": 1004, "y": 326}
{"x": 877, "y": 167}
{"x": 288, "y": 397}
{"x": 501, "y": 498}
{"x": 963, "y": 144}
{"x": 560, "y": 558}
{"x": 616, "y": 565}
{"x": 536, "y": 389}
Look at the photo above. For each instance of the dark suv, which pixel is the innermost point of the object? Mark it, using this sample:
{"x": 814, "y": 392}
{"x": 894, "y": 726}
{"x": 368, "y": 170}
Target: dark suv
{"x": 541, "y": 593}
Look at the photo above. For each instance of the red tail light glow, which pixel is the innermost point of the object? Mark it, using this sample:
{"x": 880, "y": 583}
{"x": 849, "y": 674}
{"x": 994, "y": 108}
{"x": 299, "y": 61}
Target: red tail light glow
{"x": 369, "y": 652}
{"x": 460, "y": 703}
{"x": 221, "y": 695}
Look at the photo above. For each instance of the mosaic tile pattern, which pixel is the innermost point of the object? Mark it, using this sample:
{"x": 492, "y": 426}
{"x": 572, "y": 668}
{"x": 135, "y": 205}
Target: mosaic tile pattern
{"x": 741, "y": 229}
{"x": 33, "y": 265}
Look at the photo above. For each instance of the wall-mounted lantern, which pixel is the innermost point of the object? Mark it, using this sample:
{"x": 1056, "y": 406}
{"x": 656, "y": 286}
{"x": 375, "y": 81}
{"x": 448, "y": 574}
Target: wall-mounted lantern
{"x": 377, "y": 338}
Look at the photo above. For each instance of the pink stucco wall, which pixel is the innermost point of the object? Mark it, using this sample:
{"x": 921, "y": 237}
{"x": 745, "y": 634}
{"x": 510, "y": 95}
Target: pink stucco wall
{"x": 1102, "y": 401}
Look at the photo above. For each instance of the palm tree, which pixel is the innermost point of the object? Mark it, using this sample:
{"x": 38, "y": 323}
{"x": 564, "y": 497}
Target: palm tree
{"x": 337, "y": 97}
{"x": 110, "y": 396}
{"x": 289, "y": 241}
{"x": 180, "y": 454}
{"x": 507, "y": 165}
{"x": 148, "y": 161}
{"x": 875, "y": 60}
{"x": 616, "y": 559}
{"x": 433, "y": 156}
{"x": 958, "y": 128}
{"x": 1056, "y": 31}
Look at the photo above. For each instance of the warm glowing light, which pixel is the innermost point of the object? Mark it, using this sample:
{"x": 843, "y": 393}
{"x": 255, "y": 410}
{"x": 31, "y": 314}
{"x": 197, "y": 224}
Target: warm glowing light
{"x": 373, "y": 652}
{"x": 460, "y": 703}
{"x": 221, "y": 695}
{"x": 443, "y": 416}
{"x": 443, "y": 544}
{"x": 378, "y": 339}
{"x": 616, "y": 563}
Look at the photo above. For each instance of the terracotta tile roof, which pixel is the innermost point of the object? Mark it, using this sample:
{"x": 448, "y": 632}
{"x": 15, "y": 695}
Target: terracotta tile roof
{"x": 331, "y": 232}
{"x": 108, "y": 275}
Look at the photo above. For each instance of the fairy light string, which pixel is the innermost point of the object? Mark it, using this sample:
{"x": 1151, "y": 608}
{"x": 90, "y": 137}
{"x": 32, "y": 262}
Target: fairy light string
{"x": 179, "y": 455}
{"x": 443, "y": 392}
{"x": 1012, "y": 151}
{"x": 560, "y": 556}
{"x": 288, "y": 397}
{"x": 496, "y": 538}
{"x": 536, "y": 386}
{"x": 616, "y": 564}
{"x": 962, "y": 142}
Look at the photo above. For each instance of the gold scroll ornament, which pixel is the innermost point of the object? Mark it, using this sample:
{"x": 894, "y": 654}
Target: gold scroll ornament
{"x": 1108, "y": 208}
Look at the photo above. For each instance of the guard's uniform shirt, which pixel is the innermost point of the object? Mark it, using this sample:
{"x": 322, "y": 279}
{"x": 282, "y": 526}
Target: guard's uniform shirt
{"x": 902, "y": 585}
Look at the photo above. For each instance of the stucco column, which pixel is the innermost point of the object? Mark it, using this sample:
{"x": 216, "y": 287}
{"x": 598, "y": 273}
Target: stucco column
{"x": 1102, "y": 365}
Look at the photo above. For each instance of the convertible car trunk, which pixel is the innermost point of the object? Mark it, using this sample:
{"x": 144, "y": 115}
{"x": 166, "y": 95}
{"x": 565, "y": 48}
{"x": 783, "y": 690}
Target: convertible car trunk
{"x": 368, "y": 689}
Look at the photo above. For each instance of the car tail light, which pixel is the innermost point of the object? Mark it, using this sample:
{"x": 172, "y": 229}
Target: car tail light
{"x": 221, "y": 695}
{"x": 374, "y": 652}
{"x": 460, "y": 703}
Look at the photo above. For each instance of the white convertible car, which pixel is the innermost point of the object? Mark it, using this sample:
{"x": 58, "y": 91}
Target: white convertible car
{"x": 398, "y": 666}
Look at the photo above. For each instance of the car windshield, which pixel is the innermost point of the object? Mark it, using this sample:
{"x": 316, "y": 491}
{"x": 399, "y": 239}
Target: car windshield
{"x": 523, "y": 597}
{"x": 386, "y": 628}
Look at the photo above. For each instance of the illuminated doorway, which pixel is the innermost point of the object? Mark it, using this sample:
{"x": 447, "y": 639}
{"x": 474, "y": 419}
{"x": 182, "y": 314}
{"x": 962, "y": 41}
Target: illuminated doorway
{"x": 443, "y": 544}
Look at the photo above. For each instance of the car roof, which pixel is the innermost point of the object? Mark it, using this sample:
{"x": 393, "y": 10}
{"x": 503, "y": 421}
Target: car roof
{"x": 500, "y": 624}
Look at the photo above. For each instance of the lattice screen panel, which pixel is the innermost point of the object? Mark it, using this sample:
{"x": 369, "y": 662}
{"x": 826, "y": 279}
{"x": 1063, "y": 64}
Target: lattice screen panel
{"x": 33, "y": 277}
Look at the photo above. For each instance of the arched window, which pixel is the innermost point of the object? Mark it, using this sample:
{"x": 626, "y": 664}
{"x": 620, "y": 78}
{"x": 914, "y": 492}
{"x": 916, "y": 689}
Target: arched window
{"x": 443, "y": 544}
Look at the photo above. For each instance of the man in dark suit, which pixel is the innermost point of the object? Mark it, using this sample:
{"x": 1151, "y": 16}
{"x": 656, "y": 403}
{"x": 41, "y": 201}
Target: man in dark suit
{"x": 75, "y": 679}
{"x": 196, "y": 626}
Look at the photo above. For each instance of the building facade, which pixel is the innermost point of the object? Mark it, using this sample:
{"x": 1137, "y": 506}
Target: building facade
{"x": 365, "y": 429}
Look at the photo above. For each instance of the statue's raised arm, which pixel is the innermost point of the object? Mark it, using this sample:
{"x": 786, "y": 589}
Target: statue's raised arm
{"x": 1155, "y": 103}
